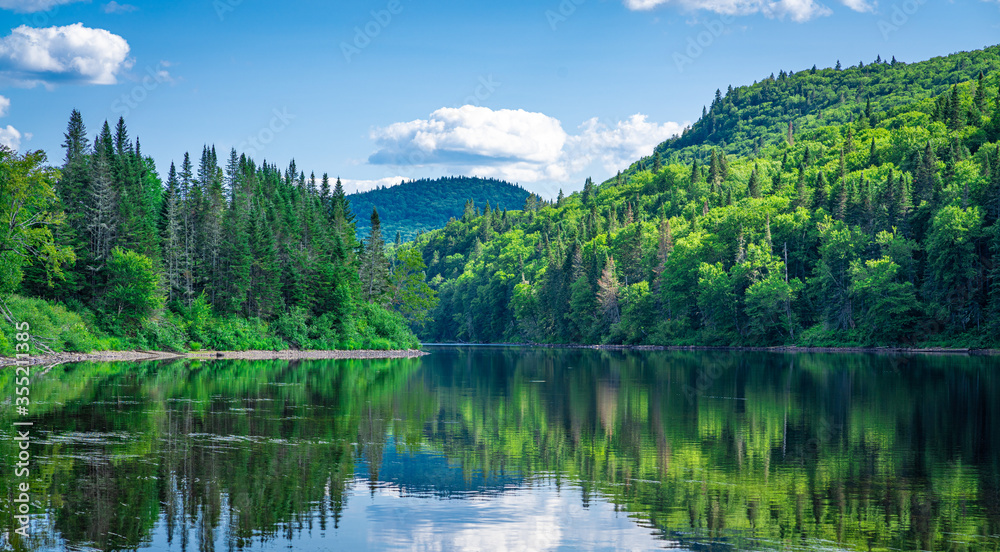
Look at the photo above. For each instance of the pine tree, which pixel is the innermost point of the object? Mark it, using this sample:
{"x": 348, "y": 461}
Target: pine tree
{"x": 955, "y": 119}
{"x": 754, "y": 184}
{"x": 73, "y": 188}
{"x": 873, "y": 155}
{"x": 925, "y": 182}
{"x": 324, "y": 193}
{"x": 263, "y": 297}
{"x": 714, "y": 171}
{"x": 980, "y": 98}
{"x": 190, "y": 203}
{"x": 993, "y": 127}
{"x": 840, "y": 200}
{"x": 172, "y": 236}
{"x": 820, "y": 193}
{"x": 374, "y": 269}
{"x": 607, "y": 293}
{"x": 102, "y": 217}
{"x": 801, "y": 192}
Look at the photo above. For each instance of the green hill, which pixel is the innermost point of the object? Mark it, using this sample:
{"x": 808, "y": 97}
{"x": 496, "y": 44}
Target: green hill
{"x": 875, "y": 224}
{"x": 423, "y": 205}
{"x": 744, "y": 119}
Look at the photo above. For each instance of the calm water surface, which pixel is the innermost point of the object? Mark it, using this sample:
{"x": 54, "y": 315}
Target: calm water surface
{"x": 503, "y": 449}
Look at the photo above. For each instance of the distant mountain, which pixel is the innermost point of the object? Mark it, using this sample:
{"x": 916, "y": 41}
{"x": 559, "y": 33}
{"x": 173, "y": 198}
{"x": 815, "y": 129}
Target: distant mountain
{"x": 423, "y": 205}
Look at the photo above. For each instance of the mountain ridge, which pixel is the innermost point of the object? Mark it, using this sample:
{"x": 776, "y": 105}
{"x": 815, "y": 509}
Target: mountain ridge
{"x": 425, "y": 204}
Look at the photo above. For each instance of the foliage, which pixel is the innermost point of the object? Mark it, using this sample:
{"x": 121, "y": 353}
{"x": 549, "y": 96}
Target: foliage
{"x": 242, "y": 257}
{"x": 133, "y": 288}
{"x": 28, "y": 211}
{"x": 871, "y": 221}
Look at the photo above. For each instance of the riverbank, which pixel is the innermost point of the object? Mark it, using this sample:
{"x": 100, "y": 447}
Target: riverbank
{"x": 144, "y": 356}
{"x": 777, "y": 349}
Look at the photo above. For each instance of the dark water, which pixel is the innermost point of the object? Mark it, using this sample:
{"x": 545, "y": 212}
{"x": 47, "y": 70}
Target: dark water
{"x": 514, "y": 449}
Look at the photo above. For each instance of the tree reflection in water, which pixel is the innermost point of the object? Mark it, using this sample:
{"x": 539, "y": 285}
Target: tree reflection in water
{"x": 738, "y": 450}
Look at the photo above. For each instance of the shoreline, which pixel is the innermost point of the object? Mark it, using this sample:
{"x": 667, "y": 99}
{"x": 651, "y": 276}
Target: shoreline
{"x": 775, "y": 349}
{"x": 144, "y": 356}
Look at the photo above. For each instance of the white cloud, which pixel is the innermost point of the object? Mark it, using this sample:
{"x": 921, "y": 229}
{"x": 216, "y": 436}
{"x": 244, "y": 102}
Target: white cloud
{"x": 515, "y": 145}
{"x": 860, "y": 5}
{"x": 355, "y": 186}
{"x": 4, "y": 106}
{"x": 797, "y": 10}
{"x": 11, "y": 137}
{"x": 115, "y": 7}
{"x": 52, "y": 55}
{"x": 32, "y": 6}
{"x": 619, "y": 145}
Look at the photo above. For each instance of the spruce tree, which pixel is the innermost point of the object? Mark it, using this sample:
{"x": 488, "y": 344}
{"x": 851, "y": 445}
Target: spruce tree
{"x": 980, "y": 98}
{"x": 374, "y": 269}
{"x": 102, "y": 218}
{"x": 172, "y": 236}
{"x": 820, "y": 193}
{"x": 955, "y": 119}
{"x": 801, "y": 192}
{"x": 754, "y": 185}
{"x": 714, "y": 171}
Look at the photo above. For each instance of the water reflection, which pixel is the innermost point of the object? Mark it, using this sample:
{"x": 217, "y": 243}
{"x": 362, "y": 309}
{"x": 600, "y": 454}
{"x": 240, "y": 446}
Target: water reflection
{"x": 506, "y": 449}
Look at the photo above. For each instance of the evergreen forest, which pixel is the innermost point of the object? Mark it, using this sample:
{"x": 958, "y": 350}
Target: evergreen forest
{"x": 851, "y": 206}
{"x": 102, "y": 253}
{"x": 847, "y": 206}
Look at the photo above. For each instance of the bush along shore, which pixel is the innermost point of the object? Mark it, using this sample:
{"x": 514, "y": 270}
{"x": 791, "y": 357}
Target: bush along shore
{"x": 51, "y": 359}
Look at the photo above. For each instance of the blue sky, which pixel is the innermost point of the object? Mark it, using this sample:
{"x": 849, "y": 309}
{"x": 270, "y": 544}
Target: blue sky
{"x": 542, "y": 93}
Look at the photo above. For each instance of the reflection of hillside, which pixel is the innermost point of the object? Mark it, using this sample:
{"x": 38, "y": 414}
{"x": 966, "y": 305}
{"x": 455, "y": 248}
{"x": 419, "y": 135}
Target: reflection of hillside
{"x": 761, "y": 451}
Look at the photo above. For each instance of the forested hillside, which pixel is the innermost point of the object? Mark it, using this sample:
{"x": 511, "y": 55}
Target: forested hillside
{"x": 744, "y": 119}
{"x": 103, "y": 254}
{"x": 850, "y": 206}
{"x": 422, "y": 205}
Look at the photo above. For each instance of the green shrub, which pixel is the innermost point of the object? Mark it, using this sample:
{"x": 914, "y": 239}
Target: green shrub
{"x": 6, "y": 349}
{"x": 240, "y": 334}
{"x": 293, "y": 327}
{"x": 377, "y": 328}
{"x": 166, "y": 333}
{"x": 60, "y": 328}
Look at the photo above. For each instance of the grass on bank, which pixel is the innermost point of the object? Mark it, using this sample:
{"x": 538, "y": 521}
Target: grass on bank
{"x": 75, "y": 328}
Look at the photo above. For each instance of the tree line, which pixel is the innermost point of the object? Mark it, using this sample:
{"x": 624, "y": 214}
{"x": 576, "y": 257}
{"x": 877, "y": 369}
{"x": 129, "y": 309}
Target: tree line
{"x": 877, "y": 231}
{"x": 215, "y": 256}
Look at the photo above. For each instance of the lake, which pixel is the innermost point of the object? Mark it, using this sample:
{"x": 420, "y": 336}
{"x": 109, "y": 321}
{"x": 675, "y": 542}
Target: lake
{"x": 504, "y": 449}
